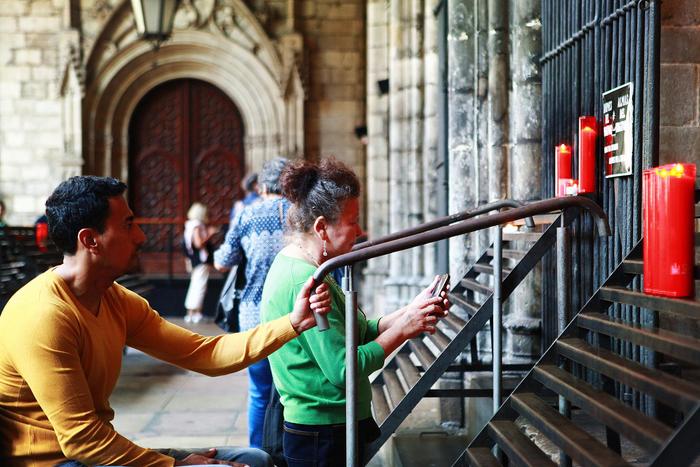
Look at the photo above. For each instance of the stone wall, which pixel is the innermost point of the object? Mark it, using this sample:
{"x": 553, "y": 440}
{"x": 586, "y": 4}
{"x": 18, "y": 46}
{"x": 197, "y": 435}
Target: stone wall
{"x": 334, "y": 41}
{"x": 377, "y": 165}
{"x": 680, "y": 81}
{"x": 494, "y": 136}
{"x": 33, "y": 34}
{"x": 44, "y": 45}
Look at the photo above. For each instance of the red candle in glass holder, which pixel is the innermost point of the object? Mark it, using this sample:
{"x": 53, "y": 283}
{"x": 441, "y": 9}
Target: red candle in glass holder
{"x": 668, "y": 213}
{"x": 562, "y": 167}
{"x": 567, "y": 187}
{"x": 586, "y": 154}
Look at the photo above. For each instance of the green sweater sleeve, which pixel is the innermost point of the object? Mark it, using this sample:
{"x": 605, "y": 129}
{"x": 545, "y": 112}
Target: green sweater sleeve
{"x": 372, "y": 329}
{"x": 327, "y": 349}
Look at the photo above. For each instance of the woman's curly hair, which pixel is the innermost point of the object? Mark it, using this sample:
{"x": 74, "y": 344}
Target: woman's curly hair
{"x": 317, "y": 189}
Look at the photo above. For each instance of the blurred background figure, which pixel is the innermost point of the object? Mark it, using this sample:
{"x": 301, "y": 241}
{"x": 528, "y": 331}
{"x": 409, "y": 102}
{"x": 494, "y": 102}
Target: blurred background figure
{"x": 41, "y": 233}
{"x": 197, "y": 245}
{"x": 255, "y": 236}
{"x": 252, "y": 195}
{"x": 2, "y": 214}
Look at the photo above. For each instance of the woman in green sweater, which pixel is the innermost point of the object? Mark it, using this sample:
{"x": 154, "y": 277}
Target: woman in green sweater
{"x": 309, "y": 372}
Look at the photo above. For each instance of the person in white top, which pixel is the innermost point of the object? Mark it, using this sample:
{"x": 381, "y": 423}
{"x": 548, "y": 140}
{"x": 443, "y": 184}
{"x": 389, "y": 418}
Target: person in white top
{"x": 198, "y": 250}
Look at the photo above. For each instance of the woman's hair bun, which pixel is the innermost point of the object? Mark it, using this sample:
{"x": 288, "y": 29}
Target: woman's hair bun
{"x": 298, "y": 179}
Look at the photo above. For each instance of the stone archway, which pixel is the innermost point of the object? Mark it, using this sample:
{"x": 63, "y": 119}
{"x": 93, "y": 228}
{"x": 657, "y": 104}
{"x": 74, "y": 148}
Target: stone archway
{"x": 220, "y": 43}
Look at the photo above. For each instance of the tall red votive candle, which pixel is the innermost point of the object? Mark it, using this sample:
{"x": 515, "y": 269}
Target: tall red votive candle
{"x": 562, "y": 166}
{"x": 668, "y": 216}
{"x": 586, "y": 154}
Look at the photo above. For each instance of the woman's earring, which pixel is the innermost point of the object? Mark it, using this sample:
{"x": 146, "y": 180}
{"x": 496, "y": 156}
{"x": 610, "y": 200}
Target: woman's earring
{"x": 325, "y": 252}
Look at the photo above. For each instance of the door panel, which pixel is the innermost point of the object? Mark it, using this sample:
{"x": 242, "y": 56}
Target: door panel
{"x": 186, "y": 145}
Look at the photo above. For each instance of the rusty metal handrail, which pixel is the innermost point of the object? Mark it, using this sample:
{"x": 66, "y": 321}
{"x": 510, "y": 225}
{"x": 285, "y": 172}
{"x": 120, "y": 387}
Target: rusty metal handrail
{"x": 447, "y": 220}
{"x": 466, "y": 226}
{"x": 410, "y": 241}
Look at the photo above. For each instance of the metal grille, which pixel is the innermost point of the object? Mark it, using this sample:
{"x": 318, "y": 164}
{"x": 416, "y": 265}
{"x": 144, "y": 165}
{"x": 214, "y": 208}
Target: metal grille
{"x": 591, "y": 46}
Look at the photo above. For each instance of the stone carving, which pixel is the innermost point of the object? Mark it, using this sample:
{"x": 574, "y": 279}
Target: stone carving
{"x": 235, "y": 26}
{"x": 262, "y": 11}
{"x": 101, "y": 10}
{"x": 194, "y": 14}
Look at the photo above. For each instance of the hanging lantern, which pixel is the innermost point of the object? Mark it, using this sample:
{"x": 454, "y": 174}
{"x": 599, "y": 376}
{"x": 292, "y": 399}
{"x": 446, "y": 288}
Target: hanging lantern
{"x": 154, "y": 19}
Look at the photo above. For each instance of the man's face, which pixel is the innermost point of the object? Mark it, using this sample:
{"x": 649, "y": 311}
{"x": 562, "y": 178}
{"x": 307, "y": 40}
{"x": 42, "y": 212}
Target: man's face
{"x": 121, "y": 239}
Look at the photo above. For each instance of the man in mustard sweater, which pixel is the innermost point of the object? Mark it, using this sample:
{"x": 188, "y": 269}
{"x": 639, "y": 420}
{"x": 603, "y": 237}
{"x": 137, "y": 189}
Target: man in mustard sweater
{"x": 62, "y": 335}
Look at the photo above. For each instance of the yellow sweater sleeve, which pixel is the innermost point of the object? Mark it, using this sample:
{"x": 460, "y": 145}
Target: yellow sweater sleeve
{"x": 212, "y": 356}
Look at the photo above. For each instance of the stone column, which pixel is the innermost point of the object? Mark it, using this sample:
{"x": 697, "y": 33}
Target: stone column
{"x": 523, "y": 321}
{"x": 415, "y": 94}
{"x": 431, "y": 91}
{"x": 461, "y": 147}
{"x": 399, "y": 145}
{"x": 498, "y": 98}
{"x": 461, "y": 58}
{"x": 377, "y": 151}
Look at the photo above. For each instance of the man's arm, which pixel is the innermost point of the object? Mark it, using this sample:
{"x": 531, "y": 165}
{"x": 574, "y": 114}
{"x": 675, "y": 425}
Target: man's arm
{"x": 226, "y": 353}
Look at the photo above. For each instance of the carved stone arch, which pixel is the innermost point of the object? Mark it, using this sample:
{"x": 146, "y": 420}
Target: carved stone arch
{"x": 232, "y": 54}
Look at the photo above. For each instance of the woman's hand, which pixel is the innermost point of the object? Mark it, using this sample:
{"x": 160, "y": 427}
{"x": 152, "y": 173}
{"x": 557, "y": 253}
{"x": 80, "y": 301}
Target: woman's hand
{"x": 427, "y": 293}
{"x": 387, "y": 321}
{"x": 302, "y": 317}
{"x": 421, "y": 316}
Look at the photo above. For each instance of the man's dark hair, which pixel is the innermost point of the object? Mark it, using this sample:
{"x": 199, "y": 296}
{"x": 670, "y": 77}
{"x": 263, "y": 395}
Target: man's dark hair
{"x": 78, "y": 203}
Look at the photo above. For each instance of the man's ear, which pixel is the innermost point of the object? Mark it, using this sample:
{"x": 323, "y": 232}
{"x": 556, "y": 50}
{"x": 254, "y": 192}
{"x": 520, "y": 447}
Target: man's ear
{"x": 319, "y": 228}
{"x": 88, "y": 239}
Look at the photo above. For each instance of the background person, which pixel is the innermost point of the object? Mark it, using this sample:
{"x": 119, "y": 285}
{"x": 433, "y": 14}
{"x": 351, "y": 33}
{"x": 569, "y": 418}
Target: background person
{"x": 309, "y": 373}
{"x": 3, "y": 211}
{"x": 256, "y": 236}
{"x": 252, "y": 195}
{"x": 62, "y": 335}
{"x": 197, "y": 242}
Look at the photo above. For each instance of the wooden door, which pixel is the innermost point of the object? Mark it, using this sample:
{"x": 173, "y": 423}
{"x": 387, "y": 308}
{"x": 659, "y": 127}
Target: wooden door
{"x": 185, "y": 145}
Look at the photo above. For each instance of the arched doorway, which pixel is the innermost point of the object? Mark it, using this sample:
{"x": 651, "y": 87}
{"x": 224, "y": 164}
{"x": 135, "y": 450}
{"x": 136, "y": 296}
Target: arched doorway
{"x": 185, "y": 145}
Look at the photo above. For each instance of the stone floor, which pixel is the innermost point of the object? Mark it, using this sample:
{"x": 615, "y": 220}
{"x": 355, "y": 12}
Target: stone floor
{"x": 159, "y": 405}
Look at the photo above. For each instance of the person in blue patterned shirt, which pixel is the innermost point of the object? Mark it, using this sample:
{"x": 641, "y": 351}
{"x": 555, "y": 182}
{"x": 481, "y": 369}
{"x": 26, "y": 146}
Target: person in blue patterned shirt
{"x": 256, "y": 234}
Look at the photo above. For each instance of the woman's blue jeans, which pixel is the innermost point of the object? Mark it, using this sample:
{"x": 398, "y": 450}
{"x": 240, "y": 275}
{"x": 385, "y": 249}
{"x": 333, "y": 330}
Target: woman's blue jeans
{"x": 259, "y": 390}
{"x": 252, "y": 457}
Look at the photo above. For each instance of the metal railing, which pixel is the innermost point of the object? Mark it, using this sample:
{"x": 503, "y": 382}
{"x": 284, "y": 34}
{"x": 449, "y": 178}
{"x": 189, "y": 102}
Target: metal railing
{"x": 588, "y": 48}
{"x": 422, "y": 236}
{"x": 498, "y": 271}
{"x": 447, "y": 220}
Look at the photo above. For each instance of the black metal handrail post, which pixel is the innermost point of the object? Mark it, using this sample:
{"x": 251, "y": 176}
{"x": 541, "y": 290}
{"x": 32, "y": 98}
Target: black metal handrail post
{"x": 563, "y": 306}
{"x": 497, "y": 304}
{"x": 351, "y": 342}
{"x": 425, "y": 237}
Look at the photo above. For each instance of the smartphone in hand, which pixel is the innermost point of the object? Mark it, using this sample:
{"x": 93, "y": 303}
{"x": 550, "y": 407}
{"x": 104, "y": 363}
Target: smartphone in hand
{"x": 441, "y": 285}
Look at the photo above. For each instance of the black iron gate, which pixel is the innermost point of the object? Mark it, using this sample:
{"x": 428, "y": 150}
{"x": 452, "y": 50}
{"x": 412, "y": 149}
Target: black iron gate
{"x": 589, "y": 47}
